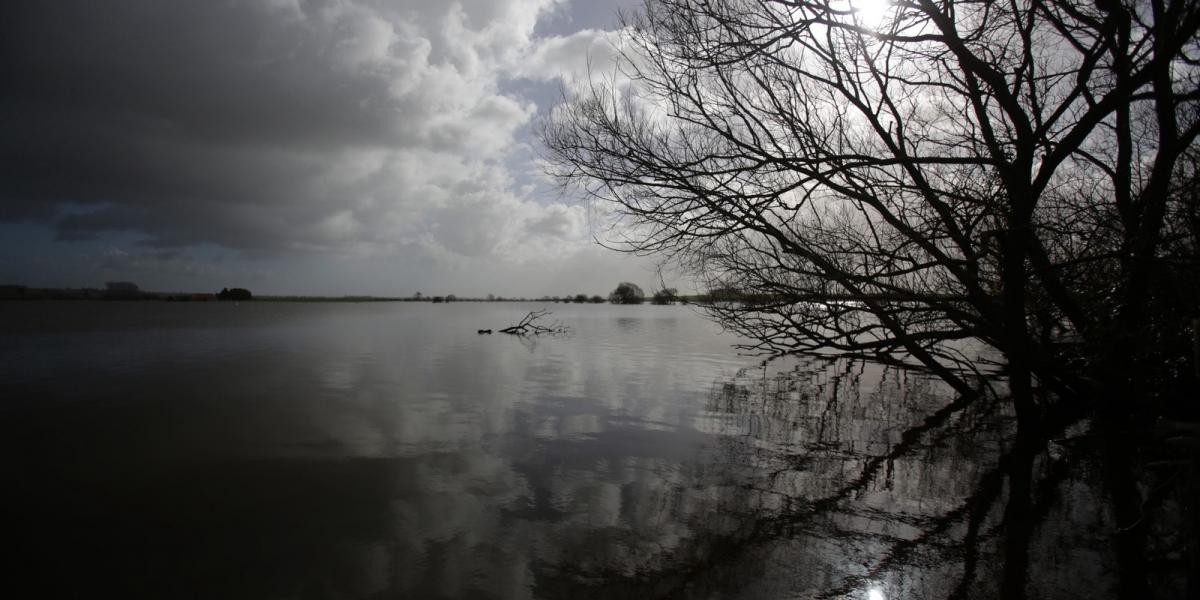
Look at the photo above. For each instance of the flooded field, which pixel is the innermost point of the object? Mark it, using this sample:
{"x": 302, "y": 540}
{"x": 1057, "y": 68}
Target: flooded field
{"x": 275, "y": 450}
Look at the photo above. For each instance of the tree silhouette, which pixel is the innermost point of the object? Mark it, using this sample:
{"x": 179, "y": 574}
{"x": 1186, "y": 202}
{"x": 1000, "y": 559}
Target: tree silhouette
{"x": 911, "y": 184}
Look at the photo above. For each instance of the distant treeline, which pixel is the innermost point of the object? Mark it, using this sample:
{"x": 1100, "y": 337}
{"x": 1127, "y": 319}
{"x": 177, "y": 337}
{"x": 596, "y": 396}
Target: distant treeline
{"x": 625, "y": 293}
{"x": 119, "y": 290}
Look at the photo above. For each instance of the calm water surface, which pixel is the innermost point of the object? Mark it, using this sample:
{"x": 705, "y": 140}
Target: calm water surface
{"x": 383, "y": 450}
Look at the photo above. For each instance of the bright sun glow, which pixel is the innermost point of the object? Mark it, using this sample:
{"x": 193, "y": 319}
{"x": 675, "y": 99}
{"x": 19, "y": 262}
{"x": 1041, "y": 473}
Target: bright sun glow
{"x": 875, "y": 594}
{"x": 871, "y": 13}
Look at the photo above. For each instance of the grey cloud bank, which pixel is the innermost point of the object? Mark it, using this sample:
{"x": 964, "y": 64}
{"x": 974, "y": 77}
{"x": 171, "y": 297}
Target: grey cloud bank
{"x": 381, "y": 136}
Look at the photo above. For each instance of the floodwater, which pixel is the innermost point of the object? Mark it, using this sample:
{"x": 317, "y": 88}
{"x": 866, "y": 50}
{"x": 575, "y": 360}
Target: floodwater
{"x": 387, "y": 450}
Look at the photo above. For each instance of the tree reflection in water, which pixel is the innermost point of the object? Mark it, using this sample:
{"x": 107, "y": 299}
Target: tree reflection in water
{"x": 854, "y": 479}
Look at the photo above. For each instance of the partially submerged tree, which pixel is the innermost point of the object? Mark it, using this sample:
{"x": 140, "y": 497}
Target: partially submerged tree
{"x": 627, "y": 293}
{"x": 918, "y": 178}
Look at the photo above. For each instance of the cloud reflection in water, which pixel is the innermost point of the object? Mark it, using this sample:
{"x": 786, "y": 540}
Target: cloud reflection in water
{"x": 387, "y": 450}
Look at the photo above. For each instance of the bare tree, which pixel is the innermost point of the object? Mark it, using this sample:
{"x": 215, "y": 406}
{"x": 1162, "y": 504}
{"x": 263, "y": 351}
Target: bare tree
{"x": 913, "y": 179}
{"x": 970, "y": 170}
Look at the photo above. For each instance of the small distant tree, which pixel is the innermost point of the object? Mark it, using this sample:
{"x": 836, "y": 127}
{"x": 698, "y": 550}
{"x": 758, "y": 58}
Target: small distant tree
{"x": 491, "y": 297}
{"x": 627, "y": 293}
{"x": 597, "y": 299}
{"x": 581, "y": 298}
{"x": 238, "y": 294}
{"x": 451, "y": 298}
{"x": 665, "y": 296}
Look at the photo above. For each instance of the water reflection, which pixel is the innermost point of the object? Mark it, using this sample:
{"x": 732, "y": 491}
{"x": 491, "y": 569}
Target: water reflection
{"x": 890, "y": 485}
{"x": 388, "y": 451}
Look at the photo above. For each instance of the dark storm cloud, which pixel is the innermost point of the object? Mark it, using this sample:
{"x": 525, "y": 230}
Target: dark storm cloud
{"x": 169, "y": 114}
{"x": 220, "y": 71}
{"x": 326, "y": 145}
{"x": 262, "y": 126}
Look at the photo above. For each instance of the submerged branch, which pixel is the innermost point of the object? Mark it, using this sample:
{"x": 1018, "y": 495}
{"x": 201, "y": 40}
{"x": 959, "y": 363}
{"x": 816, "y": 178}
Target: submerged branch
{"x": 529, "y": 325}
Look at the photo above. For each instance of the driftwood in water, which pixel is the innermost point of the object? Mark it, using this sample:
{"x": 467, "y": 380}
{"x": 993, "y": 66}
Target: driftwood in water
{"x": 530, "y": 326}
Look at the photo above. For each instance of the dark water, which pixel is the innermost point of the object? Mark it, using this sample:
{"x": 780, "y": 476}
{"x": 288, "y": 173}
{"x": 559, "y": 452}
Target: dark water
{"x": 273, "y": 450}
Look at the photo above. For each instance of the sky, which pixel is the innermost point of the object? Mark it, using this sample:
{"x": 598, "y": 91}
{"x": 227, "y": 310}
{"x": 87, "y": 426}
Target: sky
{"x": 323, "y": 147}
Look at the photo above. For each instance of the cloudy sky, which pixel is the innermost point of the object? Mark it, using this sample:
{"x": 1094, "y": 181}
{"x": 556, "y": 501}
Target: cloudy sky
{"x": 295, "y": 146}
